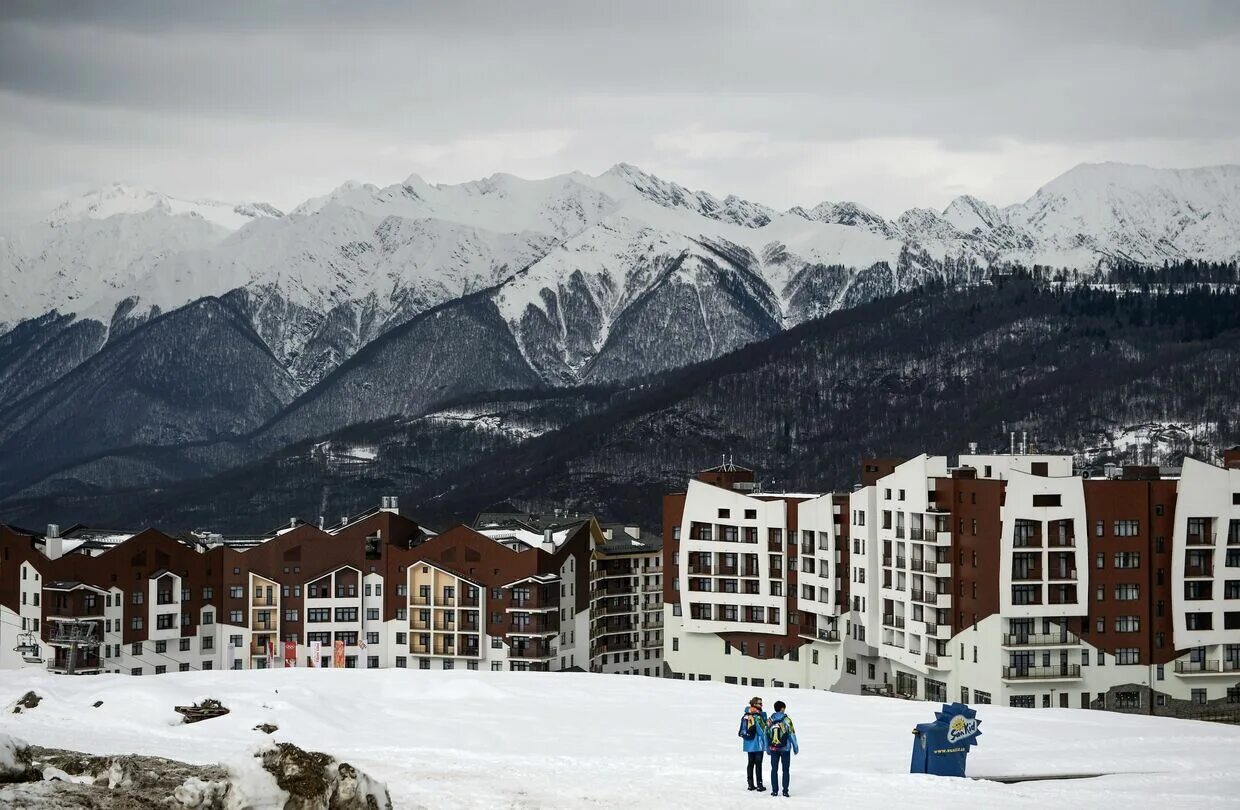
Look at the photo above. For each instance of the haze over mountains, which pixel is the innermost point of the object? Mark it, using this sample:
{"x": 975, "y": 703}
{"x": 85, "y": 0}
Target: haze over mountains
{"x": 197, "y": 335}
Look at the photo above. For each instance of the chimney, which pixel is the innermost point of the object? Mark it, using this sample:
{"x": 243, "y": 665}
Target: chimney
{"x": 322, "y": 522}
{"x": 292, "y": 523}
{"x": 388, "y": 503}
{"x": 973, "y": 448}
{"x": 1024, "y": 442}
{"x": 1012, "y": 443}
{"x": 54, "y": 548}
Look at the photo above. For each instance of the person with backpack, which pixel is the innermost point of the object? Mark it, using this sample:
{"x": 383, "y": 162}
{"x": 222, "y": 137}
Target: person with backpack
{"x": 781, "y": 738}
{"x": 753, "y": 735}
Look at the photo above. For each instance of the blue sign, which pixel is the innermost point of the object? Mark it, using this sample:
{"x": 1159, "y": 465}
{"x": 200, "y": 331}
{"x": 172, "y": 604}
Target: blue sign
{"x": 942, "y": 747}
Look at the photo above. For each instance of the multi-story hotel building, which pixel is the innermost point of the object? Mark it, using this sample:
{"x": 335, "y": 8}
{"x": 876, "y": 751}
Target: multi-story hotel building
{"x": 626, "y": 588}
{"x": 374, "y": 591}
{"x": 754, "y": 592}
{"x": 1001, "y": 578}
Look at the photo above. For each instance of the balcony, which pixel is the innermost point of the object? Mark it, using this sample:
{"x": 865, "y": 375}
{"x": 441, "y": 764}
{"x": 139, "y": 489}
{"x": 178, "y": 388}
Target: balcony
{"x": 652, "y": 569}
{"x": 1060, "y": 672}
{"x": 1062, "y": 639}
{"x": 891, "y": 620}
{"x": 258, "y": 601}
{"x": 932, "y": 660}
{"x": 469, "y": 601}
{"x": 624, "y": 644}
{"x": 652, "y": 587}
{"x": 613, "y": 609}
{"x": 774, "y": 545}
{"x": 532, "y": 651}
{"x": 613, "y": 627}
{"x": 267, "y": 627}
{"x": 887, "y": 561}
{"x": 750, "y": 571}
{"x": 1029, "y": 575}
{"x": 652, "y": 623}
{"x": 700, "y": 569}
{"x": 900, "y": 562}
{"x": 606, "y": 571}
{"x": 1061, "y": 575}
{"x": 649, "y": 643}
{"x": 926, "y": 566}
{"x": 942, "y": 538}
{"x": 616, "y": 587}
{"x": 899, "y": 532}
{"x": 923, "y": 597}
{"x": 1204, "y": 538}
{"x": 1062, "y": 541}
{"x": 1210, "y": 666}
{"x": 1200, "y": 569}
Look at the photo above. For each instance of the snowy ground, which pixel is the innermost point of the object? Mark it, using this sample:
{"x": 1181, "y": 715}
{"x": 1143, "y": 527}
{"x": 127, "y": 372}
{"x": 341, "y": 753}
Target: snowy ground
{"x": 525, "y": 740}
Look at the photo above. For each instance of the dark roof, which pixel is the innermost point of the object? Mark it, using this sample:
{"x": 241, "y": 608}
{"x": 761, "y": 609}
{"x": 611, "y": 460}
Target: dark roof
{"x": 535, "y": 522}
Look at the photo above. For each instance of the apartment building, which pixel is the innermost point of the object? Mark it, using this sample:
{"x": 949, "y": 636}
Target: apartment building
{"x": 626, "y": 586}
{"x": 998, "y": 578}
{"x": 375, "y": 590}
{"x": 749, "y": 597}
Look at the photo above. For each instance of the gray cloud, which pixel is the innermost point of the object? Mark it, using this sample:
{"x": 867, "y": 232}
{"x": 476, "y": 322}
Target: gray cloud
{"x": 891, "y": 104}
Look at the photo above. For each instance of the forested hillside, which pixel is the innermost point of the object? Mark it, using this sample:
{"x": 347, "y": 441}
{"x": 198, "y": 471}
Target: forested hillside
{"x": 926, "y": 371}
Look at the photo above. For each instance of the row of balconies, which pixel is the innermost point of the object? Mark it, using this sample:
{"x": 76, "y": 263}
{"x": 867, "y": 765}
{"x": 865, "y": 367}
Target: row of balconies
{"x": 1055, "y": 672}
{"x": 1208, "y": 666}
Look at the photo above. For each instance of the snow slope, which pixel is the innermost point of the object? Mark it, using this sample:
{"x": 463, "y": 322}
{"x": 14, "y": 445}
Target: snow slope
{"x": 533, "y": 740}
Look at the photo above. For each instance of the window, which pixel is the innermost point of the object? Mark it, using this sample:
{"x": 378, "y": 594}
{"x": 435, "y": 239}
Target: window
{"x": 1046, "y": 500}
{"x": 317, "y": 615}
{"x": 136, "y": 671}
{"x": 1127, "y": 528}
{"x": 208, "y": 617}
{"x": 1021, "y": 701}
{"x": 1127, "y": 593}
{"x": 1128, "y": 655}
{"x": 1198, "y": 696}
{"x": 725, "y": 513}
{"x": 1127, "y": 559}
{"x": 165, "y": 621}
{"x": 235, "y": 641}
{"x": 751, "y": 514}
{"x": 184, "y": 645}
{"x": 236, "y": 592}
{"x": 137, "y": 597}
{"x": 235, "y": 617}
{"x": 136, "y": 649}
{"x": 346, "y": 614}
{"x": 208, "y": 643}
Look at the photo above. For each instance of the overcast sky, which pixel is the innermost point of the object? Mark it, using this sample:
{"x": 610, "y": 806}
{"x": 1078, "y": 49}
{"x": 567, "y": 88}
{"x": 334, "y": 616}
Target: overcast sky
{"x": 891, "y": 105}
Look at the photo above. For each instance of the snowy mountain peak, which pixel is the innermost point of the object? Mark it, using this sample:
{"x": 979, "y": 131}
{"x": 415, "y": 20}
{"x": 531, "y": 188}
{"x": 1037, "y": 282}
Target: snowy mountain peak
{"x": 732, "y": 209}
{"x": 847, "y": 213}
{"x": 968, "y": 214}
{"x": 119, "y": 198}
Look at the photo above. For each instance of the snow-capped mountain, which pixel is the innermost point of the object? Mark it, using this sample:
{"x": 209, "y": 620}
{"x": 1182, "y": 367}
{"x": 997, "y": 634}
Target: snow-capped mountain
{"x": 577, "y": 261}
{"x": 119, "y": 198}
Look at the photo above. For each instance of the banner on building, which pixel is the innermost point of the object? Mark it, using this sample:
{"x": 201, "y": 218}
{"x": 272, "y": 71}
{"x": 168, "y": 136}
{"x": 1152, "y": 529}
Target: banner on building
{"x": 271, "y": 653}
{"x": 290, "y": 653}
{"x": 316, "y": 653}
{"x": 338, "y": 654}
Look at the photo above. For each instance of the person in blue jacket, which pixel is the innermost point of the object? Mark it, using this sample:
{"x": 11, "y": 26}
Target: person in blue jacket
{"x": 781, "y": 738}
{"x": 753, "y": 735}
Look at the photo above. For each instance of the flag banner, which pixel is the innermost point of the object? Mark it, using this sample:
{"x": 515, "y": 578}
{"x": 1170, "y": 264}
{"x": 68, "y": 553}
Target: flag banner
{"x": 290, "y": 653}
{"x": 316, "y": 653}
{"x": 338, "y": 654}
{"x": 271, "y": 652}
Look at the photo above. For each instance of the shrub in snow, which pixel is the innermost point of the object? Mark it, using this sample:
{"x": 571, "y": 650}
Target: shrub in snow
{"x": 27, "y": 701}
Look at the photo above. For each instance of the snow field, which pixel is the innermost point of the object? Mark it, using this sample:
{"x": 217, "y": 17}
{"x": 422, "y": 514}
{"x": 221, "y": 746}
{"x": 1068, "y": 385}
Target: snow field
{"x": 482, "y": 739}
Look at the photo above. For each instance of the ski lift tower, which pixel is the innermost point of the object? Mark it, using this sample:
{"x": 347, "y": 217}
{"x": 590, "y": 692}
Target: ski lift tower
{"x": 75, "y": 634}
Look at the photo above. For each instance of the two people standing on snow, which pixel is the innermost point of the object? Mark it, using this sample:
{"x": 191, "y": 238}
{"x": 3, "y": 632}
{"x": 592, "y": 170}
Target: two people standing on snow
{"x": 774, "y": 735}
